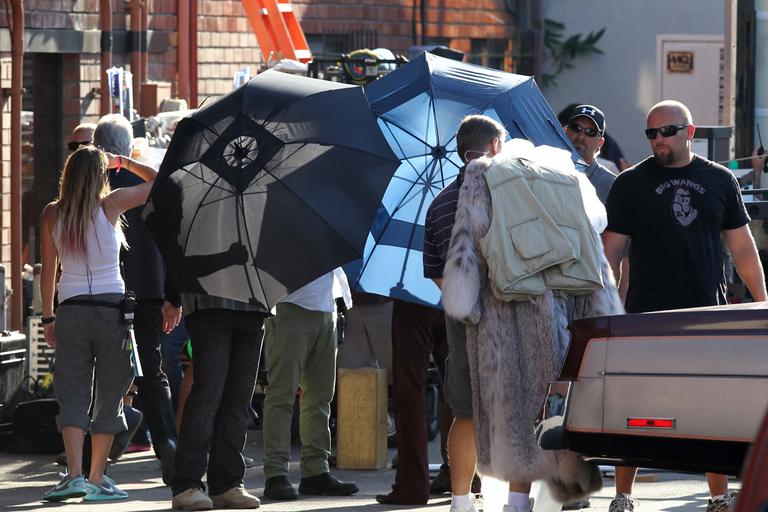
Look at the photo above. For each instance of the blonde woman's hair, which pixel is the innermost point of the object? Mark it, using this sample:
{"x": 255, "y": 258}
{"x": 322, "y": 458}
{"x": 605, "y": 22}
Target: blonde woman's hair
{"x": 83, "y": 185}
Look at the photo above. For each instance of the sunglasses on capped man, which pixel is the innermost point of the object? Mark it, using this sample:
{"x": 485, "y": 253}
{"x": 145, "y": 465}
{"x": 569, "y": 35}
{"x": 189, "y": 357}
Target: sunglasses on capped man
{"x": 589, "y": 131}
{"x": 665, "y": 131}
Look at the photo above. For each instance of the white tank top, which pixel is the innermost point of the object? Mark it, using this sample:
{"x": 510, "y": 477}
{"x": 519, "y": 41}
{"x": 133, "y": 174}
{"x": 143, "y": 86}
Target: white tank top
{"x": 97, "y": 273}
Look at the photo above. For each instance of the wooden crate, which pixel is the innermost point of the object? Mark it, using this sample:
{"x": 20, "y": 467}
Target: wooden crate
{"x": 361, "y": 419}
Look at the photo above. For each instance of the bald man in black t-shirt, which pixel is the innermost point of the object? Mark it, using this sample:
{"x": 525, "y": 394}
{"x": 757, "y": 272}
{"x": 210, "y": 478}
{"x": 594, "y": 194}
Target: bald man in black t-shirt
{"x": 673, "y": 209}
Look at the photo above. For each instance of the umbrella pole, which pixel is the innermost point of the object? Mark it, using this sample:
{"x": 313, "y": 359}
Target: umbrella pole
{"x": 239, "y": 201}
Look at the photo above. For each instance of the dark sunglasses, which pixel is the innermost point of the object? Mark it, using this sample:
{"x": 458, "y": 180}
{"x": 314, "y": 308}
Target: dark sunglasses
{"x": 589, "y": 131}
{"x": 74, "y": 145}
{"x": 665, "y": 131}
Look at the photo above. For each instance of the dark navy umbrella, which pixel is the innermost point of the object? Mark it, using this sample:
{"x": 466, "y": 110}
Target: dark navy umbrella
{"x": 419, "y": 108}
{"x": 269, "y": 187}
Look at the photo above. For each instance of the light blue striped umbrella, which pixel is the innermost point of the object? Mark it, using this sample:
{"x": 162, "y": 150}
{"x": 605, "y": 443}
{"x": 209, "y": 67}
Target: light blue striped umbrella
{"x": 419, "y": 108}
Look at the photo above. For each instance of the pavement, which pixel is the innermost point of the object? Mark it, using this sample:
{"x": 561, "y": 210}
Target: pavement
{"x": 24, "y": 478}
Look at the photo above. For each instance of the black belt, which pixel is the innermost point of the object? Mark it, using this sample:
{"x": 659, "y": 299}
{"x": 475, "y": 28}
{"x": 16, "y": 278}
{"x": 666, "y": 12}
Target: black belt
{"x": 87, "y": 302}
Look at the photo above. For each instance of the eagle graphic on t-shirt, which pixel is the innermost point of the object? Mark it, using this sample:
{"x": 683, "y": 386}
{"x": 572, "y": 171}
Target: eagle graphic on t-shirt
{"x": 682, "y": 209}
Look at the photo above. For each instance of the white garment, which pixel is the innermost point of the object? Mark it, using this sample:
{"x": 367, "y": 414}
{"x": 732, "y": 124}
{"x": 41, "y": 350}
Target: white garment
{"x": 319, "y": 295}
{"x": 560, "y": 159}
{"x": 99, "y": 271}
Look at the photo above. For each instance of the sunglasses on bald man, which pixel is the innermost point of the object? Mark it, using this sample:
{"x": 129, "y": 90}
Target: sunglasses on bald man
{"x": 588, "y": 131}
{"x": 665, "y": 131}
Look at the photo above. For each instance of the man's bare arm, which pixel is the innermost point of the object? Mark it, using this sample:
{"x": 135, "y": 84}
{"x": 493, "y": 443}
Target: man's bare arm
{"x": 744, "y": 253}
{"x": 614, "y": 245}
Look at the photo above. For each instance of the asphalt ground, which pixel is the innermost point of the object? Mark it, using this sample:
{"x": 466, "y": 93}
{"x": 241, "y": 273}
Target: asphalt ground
{"x": 24, "y": 478}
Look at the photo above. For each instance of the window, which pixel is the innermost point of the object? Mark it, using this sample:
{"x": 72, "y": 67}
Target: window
{"x": 492, "y": 53}
{"x": 329, "y": 44}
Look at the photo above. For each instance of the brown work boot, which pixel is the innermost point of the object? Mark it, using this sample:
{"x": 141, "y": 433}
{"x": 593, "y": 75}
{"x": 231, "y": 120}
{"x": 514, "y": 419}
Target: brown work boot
{"x": 236, "y": 497}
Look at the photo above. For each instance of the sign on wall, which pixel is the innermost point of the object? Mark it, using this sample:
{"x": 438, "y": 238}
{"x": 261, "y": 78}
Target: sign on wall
{"x": 690, "y": 68}
{"x": 680, "y": 62}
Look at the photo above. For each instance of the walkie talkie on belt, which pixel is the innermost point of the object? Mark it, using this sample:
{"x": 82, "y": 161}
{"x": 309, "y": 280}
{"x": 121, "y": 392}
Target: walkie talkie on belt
{"x": 128, "y": 311}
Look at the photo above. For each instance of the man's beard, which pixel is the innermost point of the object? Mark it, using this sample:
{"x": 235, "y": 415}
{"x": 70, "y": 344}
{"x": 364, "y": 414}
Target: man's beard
{"x": 665, "y": 159}
{"x": 581, "y": 150}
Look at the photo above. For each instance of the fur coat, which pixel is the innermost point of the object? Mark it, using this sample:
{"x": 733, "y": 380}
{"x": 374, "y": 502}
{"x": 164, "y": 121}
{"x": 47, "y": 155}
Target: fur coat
{"x": 515, "y": 349}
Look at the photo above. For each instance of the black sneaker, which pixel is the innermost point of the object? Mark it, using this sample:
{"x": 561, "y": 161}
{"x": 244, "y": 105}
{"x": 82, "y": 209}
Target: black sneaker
{"x": 326, "y": 485}
{"x": 279, "y": 488}
{"x": 441, "y": 484}
{"x": 249, "y": 462}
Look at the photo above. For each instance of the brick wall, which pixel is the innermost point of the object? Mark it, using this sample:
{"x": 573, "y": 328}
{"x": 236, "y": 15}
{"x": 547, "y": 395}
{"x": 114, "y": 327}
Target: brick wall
{"x": 226, "y": 43}
{"x": 460, "y": 21}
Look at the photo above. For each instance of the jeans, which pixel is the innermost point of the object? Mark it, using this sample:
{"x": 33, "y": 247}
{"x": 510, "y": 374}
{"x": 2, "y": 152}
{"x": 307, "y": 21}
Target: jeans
{"x": 171, "y": 347}
{"x": 227, "y": 345}
{"x": 153, "y": 387}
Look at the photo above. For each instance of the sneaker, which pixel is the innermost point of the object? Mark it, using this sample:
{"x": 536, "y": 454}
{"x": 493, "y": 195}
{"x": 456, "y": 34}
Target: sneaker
{"x": 465, "y": 508}
{"x": 236, "y": 497}
{"x": 191, "y": 499}
{"x": 723, "y": 504}
{"x": 138, "y": 447}
{"x": 623, "y": 503}
{"x": 577, "y": 505}
{"x": 68, "y": 487}
{"x": 278, "y": 488}
{"x": 326, "y": 484}
{"x": 104, "y": 491}
{"x": 441, "y": 484}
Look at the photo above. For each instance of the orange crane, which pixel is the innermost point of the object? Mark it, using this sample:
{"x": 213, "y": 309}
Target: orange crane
{"x": 277, "y": 30}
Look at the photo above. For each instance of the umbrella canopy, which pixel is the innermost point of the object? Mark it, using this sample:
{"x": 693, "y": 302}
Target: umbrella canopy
{"x": 269, "y": 187}
{"x": 419, "y": 108}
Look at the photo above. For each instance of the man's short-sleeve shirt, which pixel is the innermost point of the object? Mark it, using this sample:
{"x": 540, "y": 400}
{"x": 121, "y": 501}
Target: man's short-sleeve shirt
{"x": 675, "y": 217}
{"x": 438, "y": 226}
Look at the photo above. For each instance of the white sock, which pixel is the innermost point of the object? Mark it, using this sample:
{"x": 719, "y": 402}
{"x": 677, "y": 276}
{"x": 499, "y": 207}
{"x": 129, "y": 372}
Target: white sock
{"x": 461, "y": 500}
{"x": 718, "y": 497}
{"x": 520, "y": 501}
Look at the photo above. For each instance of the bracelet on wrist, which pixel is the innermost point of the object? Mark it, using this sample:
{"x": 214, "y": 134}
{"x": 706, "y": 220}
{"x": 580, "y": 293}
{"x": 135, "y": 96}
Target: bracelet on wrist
{"x": 47, "y": 319}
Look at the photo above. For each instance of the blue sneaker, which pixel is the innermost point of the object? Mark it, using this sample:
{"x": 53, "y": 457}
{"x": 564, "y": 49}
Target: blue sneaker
{"x": 69, "y": 487}
{"x": 104, "y": 491}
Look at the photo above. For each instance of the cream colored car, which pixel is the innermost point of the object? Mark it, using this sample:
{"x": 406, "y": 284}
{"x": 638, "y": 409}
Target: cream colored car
{"x": 683, "y": 389}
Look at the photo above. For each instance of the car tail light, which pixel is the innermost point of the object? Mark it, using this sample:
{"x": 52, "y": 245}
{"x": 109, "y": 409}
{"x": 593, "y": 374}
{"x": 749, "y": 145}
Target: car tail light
{"x": 651, "y": 423}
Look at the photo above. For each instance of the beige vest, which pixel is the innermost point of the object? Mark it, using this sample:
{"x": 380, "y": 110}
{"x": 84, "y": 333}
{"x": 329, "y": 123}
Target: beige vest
{"x": 540, "y": 237}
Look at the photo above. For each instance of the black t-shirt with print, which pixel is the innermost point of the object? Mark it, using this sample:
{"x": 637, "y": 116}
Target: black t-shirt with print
{"x": 675, "y": 217}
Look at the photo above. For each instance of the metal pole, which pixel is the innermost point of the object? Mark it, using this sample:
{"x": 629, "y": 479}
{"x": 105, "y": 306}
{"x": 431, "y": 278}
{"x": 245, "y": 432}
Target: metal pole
{"x": 17, "y": 70}
{"x": 105, "y": 13}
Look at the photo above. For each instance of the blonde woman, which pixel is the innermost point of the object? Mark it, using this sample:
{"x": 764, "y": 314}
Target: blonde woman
{"x": 82, "y": 231}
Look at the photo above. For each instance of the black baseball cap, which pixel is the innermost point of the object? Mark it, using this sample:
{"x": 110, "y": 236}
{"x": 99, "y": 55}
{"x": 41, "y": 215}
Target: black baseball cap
{"x": 593, "y": 113}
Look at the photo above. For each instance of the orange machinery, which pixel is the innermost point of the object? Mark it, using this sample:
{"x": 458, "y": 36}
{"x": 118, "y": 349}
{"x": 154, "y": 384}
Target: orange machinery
{"x": 277, "y": 30}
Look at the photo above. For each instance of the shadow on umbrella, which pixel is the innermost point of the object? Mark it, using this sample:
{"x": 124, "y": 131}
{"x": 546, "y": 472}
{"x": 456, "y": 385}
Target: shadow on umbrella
{"x": 289, "y": 168}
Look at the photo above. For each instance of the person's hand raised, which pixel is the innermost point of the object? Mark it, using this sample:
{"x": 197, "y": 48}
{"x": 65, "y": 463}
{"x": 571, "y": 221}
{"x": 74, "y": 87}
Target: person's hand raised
{"x": 114, "y": 160}
{"x": 238, "y": 254}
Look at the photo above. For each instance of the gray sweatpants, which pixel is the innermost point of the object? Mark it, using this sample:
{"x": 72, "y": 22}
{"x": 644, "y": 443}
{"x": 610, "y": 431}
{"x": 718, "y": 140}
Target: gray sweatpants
{"x": 89, "y": 342}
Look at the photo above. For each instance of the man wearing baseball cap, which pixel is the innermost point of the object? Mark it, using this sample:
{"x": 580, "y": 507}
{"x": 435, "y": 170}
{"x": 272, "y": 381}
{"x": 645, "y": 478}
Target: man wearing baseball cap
{"x": 586, "y": 128}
